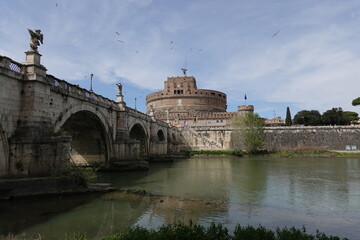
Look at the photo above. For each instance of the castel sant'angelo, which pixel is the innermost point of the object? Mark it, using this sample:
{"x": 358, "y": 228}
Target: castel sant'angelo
{"x": 181, "y": 103}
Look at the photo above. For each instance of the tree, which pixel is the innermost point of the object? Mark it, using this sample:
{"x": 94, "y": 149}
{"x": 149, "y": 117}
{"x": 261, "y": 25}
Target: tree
{"x": 356, "y": 101}
{"x": 288, "y": 121}
{"x": 335, "y": 116}
{"x": 249, "y": 130}
{"x": 308, "y": 118}
{"x": 352, "y": 116}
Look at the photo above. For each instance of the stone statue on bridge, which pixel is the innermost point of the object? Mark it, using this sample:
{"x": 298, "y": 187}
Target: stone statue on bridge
{"x": 36, "y": 37}
{"x": 119, "y": 85}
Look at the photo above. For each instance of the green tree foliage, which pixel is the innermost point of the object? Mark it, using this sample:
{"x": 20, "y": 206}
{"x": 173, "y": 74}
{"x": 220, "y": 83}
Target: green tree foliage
{"x": 356, "y": 101}
{"x": 308, "y": 118}
{"x": 249, "y": 129}
{"x": 335, "y": 116}
{"x": 352, "y": 116}
{"x": 288, "y": 121}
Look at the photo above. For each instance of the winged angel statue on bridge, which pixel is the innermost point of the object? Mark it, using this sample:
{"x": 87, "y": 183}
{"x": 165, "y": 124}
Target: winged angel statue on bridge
{"x": 36, "y": 37}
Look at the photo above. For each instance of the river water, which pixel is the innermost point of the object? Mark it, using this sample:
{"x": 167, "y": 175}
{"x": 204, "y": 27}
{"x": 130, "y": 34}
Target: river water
{"x": 318, "y": 193}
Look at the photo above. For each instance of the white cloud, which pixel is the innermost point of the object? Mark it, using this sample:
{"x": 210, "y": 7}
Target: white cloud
{"x": 311, "y": 63}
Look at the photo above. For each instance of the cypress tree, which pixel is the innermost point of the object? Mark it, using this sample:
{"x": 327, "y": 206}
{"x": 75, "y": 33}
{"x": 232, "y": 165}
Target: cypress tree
{"x": 288, "y": 121}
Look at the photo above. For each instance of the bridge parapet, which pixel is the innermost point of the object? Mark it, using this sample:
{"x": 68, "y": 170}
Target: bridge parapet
{"x": 63, "y": 87}
{"x": 11, "y": 64}
{"x": 137, "y": 113}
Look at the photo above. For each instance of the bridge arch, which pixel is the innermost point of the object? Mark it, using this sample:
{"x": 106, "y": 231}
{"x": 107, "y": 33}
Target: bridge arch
{"x": 138, "y": 132}
{"x": 4, "y": 153}
{"x": 160, "y": 135}
{"x": 91, "y": 135}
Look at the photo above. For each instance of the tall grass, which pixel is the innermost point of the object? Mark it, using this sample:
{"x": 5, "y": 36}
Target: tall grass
{"x": 215, "y": 231}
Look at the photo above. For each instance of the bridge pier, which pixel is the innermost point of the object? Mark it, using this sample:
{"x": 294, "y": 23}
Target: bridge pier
{"x": 47, "y": 125}
{"x": 38, "y": 157}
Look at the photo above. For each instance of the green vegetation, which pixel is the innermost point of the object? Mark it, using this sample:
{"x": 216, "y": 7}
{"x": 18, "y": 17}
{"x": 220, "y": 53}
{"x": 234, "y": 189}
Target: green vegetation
{"x": 213, "y": 232}
{"x": 309, "y": 153}
{"x": 334, "y": 116}
{"x": 356, "y": 101}
{"x": 288, "y": 154}
{"x": 308, "y": 118}
{"x": 352, "y": 116}
{"x": 81, "y": 175}
{"x": 217, "y": 152}
{"x": 288, "y": 121}
{"x": 248, "y": 132}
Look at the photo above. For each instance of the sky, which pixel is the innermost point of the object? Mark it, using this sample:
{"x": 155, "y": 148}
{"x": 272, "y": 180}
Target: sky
{"x": 301, "y": 54}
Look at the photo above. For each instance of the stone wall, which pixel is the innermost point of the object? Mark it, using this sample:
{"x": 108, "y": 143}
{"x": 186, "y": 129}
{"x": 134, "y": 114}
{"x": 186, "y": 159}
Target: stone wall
{"x": 309, "y": 138}
{"x": 280, "y": 138}
{"x": 4, "y": 153}
{"x": 11, "y": 91}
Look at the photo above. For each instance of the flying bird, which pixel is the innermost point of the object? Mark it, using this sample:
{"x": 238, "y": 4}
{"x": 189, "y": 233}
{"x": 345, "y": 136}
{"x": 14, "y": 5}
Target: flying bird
{"x": 56, "y": 4}
{"x": 121, "y": 41}
{"x": 117, "y": 33}
{"x": 275, "y": 34}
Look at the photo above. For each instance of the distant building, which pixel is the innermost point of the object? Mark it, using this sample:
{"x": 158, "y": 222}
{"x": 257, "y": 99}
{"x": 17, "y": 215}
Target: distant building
{"x": 181, "y": 103}
{"x": 277, "y": 121}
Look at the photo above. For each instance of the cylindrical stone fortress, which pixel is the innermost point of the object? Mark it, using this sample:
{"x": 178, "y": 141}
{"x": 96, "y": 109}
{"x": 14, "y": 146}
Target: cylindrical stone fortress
{"x": 180, "y": 95}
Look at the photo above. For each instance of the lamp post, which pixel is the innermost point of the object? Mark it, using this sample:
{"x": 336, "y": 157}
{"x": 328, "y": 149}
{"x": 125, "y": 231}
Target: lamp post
{"x": 91, "y": 76}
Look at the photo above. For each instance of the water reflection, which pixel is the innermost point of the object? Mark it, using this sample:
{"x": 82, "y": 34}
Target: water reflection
{"x": 317, "y": 193}
{"x": 17, "y": 215}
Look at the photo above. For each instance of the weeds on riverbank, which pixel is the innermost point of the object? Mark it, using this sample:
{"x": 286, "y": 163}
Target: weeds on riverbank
{"x": 282, "y": 154}
{"x": 217, "y": 152}
{"x": 309, "y": 153}
{"x": 215, "y": 231}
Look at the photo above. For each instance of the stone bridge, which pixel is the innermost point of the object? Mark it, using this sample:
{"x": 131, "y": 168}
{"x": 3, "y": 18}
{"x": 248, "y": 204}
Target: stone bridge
{"x": 48, "y": 125}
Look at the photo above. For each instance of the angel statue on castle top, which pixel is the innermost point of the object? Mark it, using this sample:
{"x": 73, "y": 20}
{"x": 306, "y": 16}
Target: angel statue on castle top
{"x": 36, "y": 37}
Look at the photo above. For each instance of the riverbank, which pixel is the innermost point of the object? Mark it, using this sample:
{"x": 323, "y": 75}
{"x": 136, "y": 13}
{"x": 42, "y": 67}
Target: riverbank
{"x": 278, "y": 154}
{"x": 30, "y": 187}
{"x": 215, "y": 231}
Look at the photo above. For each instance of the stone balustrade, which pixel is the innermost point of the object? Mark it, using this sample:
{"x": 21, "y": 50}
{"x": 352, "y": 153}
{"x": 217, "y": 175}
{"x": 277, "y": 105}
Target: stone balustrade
{"x": 75, "y": 91}
{"x": 11, "y": 64}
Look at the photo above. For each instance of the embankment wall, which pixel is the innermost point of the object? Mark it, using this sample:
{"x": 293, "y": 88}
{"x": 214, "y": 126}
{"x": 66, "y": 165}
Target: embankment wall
{"x": 280, "y": 138}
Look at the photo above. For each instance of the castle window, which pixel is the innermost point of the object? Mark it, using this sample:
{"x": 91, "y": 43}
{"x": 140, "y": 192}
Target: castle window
{"x": 212, "y": 94}
{"x": 174, "y": 91}
{"x": 195, "y": 92}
